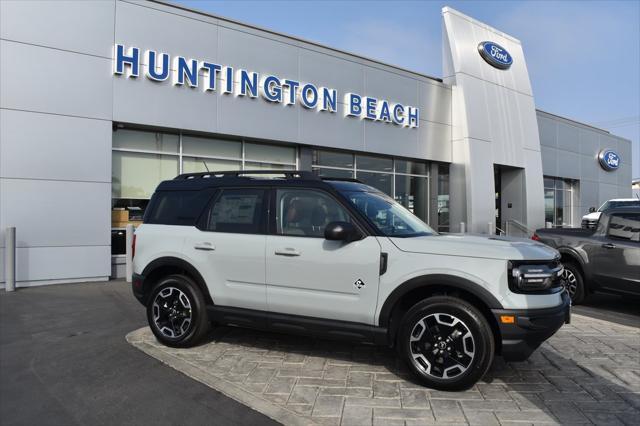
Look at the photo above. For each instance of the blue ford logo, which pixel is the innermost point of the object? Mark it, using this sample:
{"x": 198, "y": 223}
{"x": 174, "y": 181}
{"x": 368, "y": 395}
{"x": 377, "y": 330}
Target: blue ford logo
{"x": 495, "y": 55}
{"x": 609, "y": 160}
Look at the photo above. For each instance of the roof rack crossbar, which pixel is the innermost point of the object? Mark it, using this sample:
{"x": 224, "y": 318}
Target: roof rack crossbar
{"x": 289, "y": 174}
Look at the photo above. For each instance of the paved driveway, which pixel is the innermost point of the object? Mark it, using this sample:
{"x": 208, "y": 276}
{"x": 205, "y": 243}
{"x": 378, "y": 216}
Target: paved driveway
{"x": 588, "y": 373}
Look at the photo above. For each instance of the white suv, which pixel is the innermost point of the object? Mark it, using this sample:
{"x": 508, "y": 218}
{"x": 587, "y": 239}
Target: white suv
{"x": 339, "y": 259}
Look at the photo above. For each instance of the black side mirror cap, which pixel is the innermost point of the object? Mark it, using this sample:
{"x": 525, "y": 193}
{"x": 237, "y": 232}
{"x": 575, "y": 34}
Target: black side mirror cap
{"x": 592, "y": 209}
{"x": 341, "y": 231}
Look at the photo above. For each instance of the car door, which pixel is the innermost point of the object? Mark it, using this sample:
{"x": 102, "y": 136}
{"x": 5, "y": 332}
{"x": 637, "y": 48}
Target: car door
{"x": 310, "y": 276}
{"x": 617, "y": 265}
{"x": 228, "y": 247}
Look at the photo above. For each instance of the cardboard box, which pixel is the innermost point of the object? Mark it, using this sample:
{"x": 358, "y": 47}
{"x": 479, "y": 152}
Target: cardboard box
{"x": 119, "y": 215}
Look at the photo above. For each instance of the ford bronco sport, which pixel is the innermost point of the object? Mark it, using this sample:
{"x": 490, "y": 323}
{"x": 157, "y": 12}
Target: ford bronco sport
{"x": 339, "y": 259}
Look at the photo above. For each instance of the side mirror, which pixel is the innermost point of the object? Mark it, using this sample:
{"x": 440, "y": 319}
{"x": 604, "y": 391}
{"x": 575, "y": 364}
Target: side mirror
{"x": 341, "y": 231}
{"x": 592, "y": 209}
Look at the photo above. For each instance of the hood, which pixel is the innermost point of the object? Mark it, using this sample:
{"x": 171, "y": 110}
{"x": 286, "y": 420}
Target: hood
{"x": 484, "y": 246}
{"x": 592, "y": 216}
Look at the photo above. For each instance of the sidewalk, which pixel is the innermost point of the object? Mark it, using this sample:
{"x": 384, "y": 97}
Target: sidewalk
{"x": 588, "y": 373}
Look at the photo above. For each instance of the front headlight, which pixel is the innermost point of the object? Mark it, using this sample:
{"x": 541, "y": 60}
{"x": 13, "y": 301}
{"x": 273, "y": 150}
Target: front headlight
{"x": 535, "y": 277}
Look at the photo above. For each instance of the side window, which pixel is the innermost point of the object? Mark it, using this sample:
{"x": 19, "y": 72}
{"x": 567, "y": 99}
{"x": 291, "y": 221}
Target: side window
{"x": 306, "y": 213}
{"x": 177, "y": 207}
{"x": 624, "y": 226}
{"x": 239, "y": 211}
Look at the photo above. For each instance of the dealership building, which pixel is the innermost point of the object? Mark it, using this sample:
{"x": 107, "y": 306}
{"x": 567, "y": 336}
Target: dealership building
{"x": 100, "y": 101}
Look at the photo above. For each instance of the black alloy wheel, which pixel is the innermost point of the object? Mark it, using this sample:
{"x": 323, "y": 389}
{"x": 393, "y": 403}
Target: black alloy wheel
{"x": 446, "y": 342}
{"x": 176, "y": 312}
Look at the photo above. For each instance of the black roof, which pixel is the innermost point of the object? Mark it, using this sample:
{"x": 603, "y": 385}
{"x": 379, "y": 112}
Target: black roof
{"x": 198, "y": 181}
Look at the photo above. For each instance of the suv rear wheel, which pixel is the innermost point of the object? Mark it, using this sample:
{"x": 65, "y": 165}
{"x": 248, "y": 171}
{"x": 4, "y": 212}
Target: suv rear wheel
{"x": 176, "y": 312}
{"x": 446, "y": 342}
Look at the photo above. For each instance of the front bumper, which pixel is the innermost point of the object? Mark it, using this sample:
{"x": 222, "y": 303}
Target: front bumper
{"x": 530, "y": 328}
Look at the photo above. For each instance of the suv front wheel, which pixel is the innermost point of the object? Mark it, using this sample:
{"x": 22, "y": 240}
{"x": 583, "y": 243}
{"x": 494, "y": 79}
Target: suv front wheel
{"x": 446, "y": 342}
{"x": 176, "y": 312}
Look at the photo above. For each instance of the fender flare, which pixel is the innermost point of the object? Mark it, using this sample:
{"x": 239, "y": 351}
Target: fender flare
{"x": 435, "y": 280}
{"x": 178, "y": 263}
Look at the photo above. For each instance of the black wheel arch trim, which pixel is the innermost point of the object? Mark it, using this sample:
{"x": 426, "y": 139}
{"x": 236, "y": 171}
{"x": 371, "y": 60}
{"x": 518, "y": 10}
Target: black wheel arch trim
{"x": 177, "y": 263}
{"x": 435, "y": 280}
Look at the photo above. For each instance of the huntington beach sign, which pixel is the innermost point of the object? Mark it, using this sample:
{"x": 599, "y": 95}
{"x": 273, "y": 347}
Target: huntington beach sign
{"x": 226, "y": 80}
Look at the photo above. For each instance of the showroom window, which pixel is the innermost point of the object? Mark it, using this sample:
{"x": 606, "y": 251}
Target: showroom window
{"x": 558, "y": 201}
{"x": 142, "y": 159}
{"x": 405, "y": 180}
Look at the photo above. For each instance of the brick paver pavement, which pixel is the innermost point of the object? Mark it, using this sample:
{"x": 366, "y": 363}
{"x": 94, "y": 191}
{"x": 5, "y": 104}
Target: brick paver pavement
{"x": 588, "y": 373}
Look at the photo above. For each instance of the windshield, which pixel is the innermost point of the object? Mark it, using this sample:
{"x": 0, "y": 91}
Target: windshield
{"x": 389, "y": 217}
{"x": 614, "y": 204}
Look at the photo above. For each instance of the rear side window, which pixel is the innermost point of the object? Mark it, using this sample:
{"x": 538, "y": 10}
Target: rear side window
{"x": 240, "y": 211}
{"x": 625, "y": 226}
{"x": 177, "y": 207}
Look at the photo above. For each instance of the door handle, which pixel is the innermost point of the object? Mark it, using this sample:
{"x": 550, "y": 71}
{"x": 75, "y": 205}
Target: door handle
{"x": 609, "y": 246}
{"x": 291, "y": 252}
{"x": 204, "y": 246}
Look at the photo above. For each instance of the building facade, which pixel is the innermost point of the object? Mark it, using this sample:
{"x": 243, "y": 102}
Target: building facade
{"x": 100, "y": 101}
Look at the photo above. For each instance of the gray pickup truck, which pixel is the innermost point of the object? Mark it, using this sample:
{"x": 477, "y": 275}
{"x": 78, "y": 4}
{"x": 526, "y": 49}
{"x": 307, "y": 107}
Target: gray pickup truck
{"x": 605, "y": 259}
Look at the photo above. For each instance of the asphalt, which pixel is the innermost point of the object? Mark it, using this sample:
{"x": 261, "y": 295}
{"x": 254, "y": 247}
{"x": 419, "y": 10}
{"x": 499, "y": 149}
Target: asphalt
{"x": 64, "y": 361}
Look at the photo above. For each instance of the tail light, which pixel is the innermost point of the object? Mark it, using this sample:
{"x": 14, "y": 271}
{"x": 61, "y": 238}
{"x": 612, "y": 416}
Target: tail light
{"x": 133, "y": 246}
{"x": 535, "y": 237}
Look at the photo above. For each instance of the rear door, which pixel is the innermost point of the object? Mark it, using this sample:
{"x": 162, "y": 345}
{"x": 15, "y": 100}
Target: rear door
{"x": 310, "y": 276}
{"x": 617, "y": 263}
{"x": 228, "y": 247}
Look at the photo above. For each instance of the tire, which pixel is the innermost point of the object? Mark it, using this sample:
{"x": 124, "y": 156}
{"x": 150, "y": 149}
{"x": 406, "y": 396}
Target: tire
{"x": 573, "y": 282}
{"x": 446, "y": 342}
{"x": 177, "y": 313}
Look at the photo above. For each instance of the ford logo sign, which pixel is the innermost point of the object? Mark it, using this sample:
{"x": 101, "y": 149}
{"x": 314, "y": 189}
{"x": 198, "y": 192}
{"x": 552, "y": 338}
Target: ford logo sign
{"x": 609, "y": 160}
{"x": 495, "y": 55}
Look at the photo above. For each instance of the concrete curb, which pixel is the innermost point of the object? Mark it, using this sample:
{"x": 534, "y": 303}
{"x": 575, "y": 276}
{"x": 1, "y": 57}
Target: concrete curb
{"x": 279, "y": 414}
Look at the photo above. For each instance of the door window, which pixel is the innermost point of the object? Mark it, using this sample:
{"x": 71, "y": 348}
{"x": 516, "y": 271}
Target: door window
{"x": 239, "y": 211}
{"x": 305, "y": 213}
{"x": 625, "y": 227}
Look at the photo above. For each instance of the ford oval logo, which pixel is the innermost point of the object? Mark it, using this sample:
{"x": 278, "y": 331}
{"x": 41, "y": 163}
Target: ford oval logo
{"x": 495, "y": 55}
{"x": 609, "y": 160}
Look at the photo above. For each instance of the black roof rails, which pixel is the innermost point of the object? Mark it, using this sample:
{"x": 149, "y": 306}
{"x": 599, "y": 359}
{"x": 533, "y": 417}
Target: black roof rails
{"x": 289, "y": 174}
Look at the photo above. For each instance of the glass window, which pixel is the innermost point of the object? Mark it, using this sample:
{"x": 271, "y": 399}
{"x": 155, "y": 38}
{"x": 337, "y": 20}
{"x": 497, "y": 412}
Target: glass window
{"x": 250, "y": 165}
{"x": 196, "y": 146}
{"x": 411, "y": 167}
{"x": 238, "y": 211}
{"x": 178, "y": 207}
{"x": 136, "y": 175}
{"x": 625, "y": 226}
{"x": 388, "y": 216}
{"x": 333, "y": 159}
{"x": 443, "y": 198}
{"x": 306, "y": 213}
{"x": 380, "y": 181}
{"x": 335, "y": 173}
{"x": 549, "y": 202}
{"x": 269, "y": 153}
{"x": 146, "y": 141}
{"x": 368, "y": 162}
{"x": 412, "y": 192}
{"x": 196, "y": 165}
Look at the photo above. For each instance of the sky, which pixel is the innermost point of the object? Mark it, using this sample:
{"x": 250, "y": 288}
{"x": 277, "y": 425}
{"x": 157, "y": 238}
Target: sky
{"x": 583, "y": 56}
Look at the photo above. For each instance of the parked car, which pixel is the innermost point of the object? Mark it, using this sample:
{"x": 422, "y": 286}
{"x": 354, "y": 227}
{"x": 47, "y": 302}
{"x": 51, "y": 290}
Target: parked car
{"x": 340, "y": 259}
{"x": 606, "y": 259}
{"x": 590, "y": 220}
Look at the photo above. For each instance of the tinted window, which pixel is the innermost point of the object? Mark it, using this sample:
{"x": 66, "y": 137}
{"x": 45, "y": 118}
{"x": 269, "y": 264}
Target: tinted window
{"x": 177, "y": 207}
{"x": 306, "y": 213}
{"x": 625, "y": 226}
{"x": 239, "y": 211}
